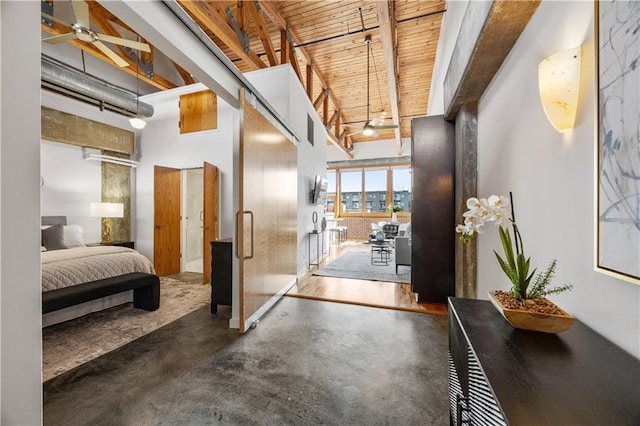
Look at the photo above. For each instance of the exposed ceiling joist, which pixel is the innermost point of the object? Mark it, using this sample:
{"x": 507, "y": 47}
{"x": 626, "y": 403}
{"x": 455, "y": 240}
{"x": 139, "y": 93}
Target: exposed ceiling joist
{"x": 337, "y": 143}
{"x": 263, "y": 31}
{"x": 275, "y": 17}
{"x": 387, "y": 31}
{"x": 210, "y": 14}
{"x": 157, "y": 81}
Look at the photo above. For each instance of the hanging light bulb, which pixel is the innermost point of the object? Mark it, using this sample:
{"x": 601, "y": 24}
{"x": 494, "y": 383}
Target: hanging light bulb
{"x": 137, "y": 123}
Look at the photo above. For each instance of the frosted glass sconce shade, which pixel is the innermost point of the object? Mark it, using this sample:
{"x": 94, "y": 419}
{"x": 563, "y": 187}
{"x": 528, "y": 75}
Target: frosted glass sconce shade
{"x": 559, "y": 84}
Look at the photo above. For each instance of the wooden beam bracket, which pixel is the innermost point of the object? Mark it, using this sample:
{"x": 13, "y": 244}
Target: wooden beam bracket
{"x": 242, "y": 36}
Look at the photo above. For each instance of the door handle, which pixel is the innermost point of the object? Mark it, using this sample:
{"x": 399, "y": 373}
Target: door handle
{"x": 250, "y": 213}
{"x": 158, "y": 225}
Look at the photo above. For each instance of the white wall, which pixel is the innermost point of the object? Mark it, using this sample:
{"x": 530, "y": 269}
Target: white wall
{"x": 20, "y": 304}
{"x": 449, "y": 30}
{"x": 71, "y": 183}
{"x": 162, "y": 144}
{"x": 385, "y": 148}
{"x": 551, "y": 175}
{"x": 282, "y": 89}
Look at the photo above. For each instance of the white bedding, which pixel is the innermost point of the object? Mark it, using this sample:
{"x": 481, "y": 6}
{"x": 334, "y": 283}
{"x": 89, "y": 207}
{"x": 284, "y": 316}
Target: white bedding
{"x": 68, "y": 267}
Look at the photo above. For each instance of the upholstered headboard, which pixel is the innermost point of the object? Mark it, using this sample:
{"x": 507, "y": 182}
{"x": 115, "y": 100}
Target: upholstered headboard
{"x": 53, "y": 220}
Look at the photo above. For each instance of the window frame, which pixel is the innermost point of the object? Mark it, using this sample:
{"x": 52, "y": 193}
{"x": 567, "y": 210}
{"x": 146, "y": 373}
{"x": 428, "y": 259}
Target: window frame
{"x": 337, "y": 198}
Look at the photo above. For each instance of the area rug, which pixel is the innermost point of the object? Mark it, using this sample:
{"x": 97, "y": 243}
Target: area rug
{"x": 72, "y": 343}
{"x": 357, "y": 265}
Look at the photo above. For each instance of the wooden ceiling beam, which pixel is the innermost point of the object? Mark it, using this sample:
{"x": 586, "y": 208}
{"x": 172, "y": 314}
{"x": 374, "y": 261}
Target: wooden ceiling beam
{"x": 186, "y": 75}
{"x": 332, "y": 119}
{"x": 157, "y": 81}
{"x": 263, "y": 32}
{"x": 319, "y": 99}
{"x": 310, "y": 81}
{"x": 386, "y": 18}
{"x": 331, "y": 138}
{"x": 271, "y": 10}
{"x": 211, "y": 14}
{"x": 284, "y": 47}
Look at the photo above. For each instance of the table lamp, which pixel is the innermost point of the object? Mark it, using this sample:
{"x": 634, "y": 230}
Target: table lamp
{"x": 106, "y": 211}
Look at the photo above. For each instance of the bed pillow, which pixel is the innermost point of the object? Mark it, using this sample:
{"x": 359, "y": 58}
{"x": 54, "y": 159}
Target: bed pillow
{"x": 52, "y": 237}
{"x": 73, "y": 236}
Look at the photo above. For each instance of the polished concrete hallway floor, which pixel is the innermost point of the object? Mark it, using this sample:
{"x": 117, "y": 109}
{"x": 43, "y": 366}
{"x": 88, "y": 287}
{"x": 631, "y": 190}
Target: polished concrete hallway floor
{"x": 307, "y": 362}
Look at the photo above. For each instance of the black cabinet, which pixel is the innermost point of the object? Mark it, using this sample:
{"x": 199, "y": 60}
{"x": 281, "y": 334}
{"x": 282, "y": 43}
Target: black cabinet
{"x": 432, "y": 209}
{"x": 499, "y": 375}
{"x": 221, "y": 273}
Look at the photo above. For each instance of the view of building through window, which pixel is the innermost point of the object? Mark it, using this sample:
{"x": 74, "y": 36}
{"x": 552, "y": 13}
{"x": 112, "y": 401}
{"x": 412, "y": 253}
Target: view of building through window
{"x": 369, "y": 190}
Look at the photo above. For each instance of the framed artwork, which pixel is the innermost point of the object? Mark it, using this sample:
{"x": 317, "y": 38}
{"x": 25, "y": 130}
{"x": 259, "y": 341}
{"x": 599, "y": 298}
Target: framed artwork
{"x": 618, "y": 118}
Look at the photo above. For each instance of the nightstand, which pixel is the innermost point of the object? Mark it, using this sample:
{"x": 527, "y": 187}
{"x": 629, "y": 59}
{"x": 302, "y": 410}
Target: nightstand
{"x": 128, "y": 244}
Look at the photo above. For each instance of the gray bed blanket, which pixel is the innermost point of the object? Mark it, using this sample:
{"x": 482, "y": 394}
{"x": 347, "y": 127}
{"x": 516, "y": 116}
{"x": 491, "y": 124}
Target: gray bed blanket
{"x": 64, "y": 268}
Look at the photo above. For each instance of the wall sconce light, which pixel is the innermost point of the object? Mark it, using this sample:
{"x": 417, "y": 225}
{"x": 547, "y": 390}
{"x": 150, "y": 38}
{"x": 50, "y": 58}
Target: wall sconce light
{"x": 106, "y": 211}
{"x": 559, "y": 84}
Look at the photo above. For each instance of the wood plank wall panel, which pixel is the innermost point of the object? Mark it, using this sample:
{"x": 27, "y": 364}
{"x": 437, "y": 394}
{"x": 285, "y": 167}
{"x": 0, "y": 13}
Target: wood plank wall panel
{"x": 198, "y": 112}
{"x": 433, "y": 209}
{"x": 268, "y": 182}
{"x": 59, "y": 126}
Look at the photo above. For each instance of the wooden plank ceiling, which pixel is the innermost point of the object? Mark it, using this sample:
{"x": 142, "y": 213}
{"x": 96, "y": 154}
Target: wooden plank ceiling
{"x": 324, "y": 41}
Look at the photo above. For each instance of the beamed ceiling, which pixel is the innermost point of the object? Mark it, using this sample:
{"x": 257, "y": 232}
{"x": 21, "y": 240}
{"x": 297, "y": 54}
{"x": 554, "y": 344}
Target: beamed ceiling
{"x": 324, "y": 41}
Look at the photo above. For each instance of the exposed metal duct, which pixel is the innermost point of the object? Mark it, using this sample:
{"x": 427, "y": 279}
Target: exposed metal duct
{"x": 87, "y": 89}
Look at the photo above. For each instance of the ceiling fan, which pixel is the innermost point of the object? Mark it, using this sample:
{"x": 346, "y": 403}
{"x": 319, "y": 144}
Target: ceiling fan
{"x": 371, "y": 125}
{"x": 80, "y": 30}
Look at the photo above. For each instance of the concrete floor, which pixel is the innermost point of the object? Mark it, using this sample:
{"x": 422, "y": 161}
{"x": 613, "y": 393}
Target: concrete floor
{"x": 307, "y": 362}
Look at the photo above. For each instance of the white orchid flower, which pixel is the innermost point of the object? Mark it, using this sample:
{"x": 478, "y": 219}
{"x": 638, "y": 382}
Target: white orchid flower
{"x": 473, "y": 203}
{"x": 499, "y": 201}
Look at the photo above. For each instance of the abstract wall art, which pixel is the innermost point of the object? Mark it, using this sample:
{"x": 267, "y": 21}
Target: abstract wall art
{"x": 618, "y": 184}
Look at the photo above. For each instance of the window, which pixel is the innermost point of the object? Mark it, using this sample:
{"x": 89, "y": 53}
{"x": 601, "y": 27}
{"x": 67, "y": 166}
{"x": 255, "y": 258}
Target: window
{"x": 375, "y": 186}
{"x": 331, "y": 191}
{"x": 401, "y": 177}
{"x": 351, "y": 188}
{"x": 369, "y": 190}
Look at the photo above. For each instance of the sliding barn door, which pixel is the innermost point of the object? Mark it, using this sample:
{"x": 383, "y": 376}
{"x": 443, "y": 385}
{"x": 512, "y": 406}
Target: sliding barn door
{"x": 210, "y": 219}
{"x": 166, "y": 218}
{"x": 267, "y": 231}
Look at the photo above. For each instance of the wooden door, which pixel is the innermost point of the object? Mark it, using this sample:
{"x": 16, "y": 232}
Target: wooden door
{"x": 210, "y": 225}
{"x": 267, "y": 220}
{"x": 166, "y": 220}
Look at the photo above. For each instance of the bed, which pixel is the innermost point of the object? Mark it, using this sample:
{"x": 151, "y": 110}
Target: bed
{"x": 78, "y": 280}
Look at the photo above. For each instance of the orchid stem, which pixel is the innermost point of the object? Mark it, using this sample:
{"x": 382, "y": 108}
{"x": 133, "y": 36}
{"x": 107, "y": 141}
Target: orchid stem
{"x": 516, "y": 234}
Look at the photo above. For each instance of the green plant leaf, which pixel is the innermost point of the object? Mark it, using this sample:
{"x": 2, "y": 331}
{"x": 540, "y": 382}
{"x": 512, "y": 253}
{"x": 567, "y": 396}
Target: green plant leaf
{"x": 507, "y": 246}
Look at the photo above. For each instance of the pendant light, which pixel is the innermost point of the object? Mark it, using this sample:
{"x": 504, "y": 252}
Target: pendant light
{"x": 136, "y": 122}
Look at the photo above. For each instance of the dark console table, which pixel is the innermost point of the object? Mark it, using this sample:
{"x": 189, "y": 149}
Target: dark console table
{"x": 499, "y": 375}
{"x": 221, "y": 273}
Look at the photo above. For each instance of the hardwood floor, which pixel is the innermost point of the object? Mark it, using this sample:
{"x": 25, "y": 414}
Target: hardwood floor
{"x": 359, "y": 292}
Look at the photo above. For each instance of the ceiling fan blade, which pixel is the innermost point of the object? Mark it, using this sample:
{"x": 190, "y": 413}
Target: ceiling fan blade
{"x": 110, "y": 53}
{"x": 124, "y": 42}
{"x": 59, "y": 38}
{"x": 389, "y": 126}
{"x": 81, "y": 10}
{"x": 354, "y": 133}
{"x": 352, "y": 125}
{"x": 376, "y": 120}
{"x": 54, "y": 19}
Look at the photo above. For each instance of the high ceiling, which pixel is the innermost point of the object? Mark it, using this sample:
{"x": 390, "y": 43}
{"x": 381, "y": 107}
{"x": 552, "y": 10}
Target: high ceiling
{"x": 324, "y": 40}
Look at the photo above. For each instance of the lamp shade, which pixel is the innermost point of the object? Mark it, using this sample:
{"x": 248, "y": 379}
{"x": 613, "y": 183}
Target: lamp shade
{"x": 559, "y": 84}
{"x": 106, "y": 210}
